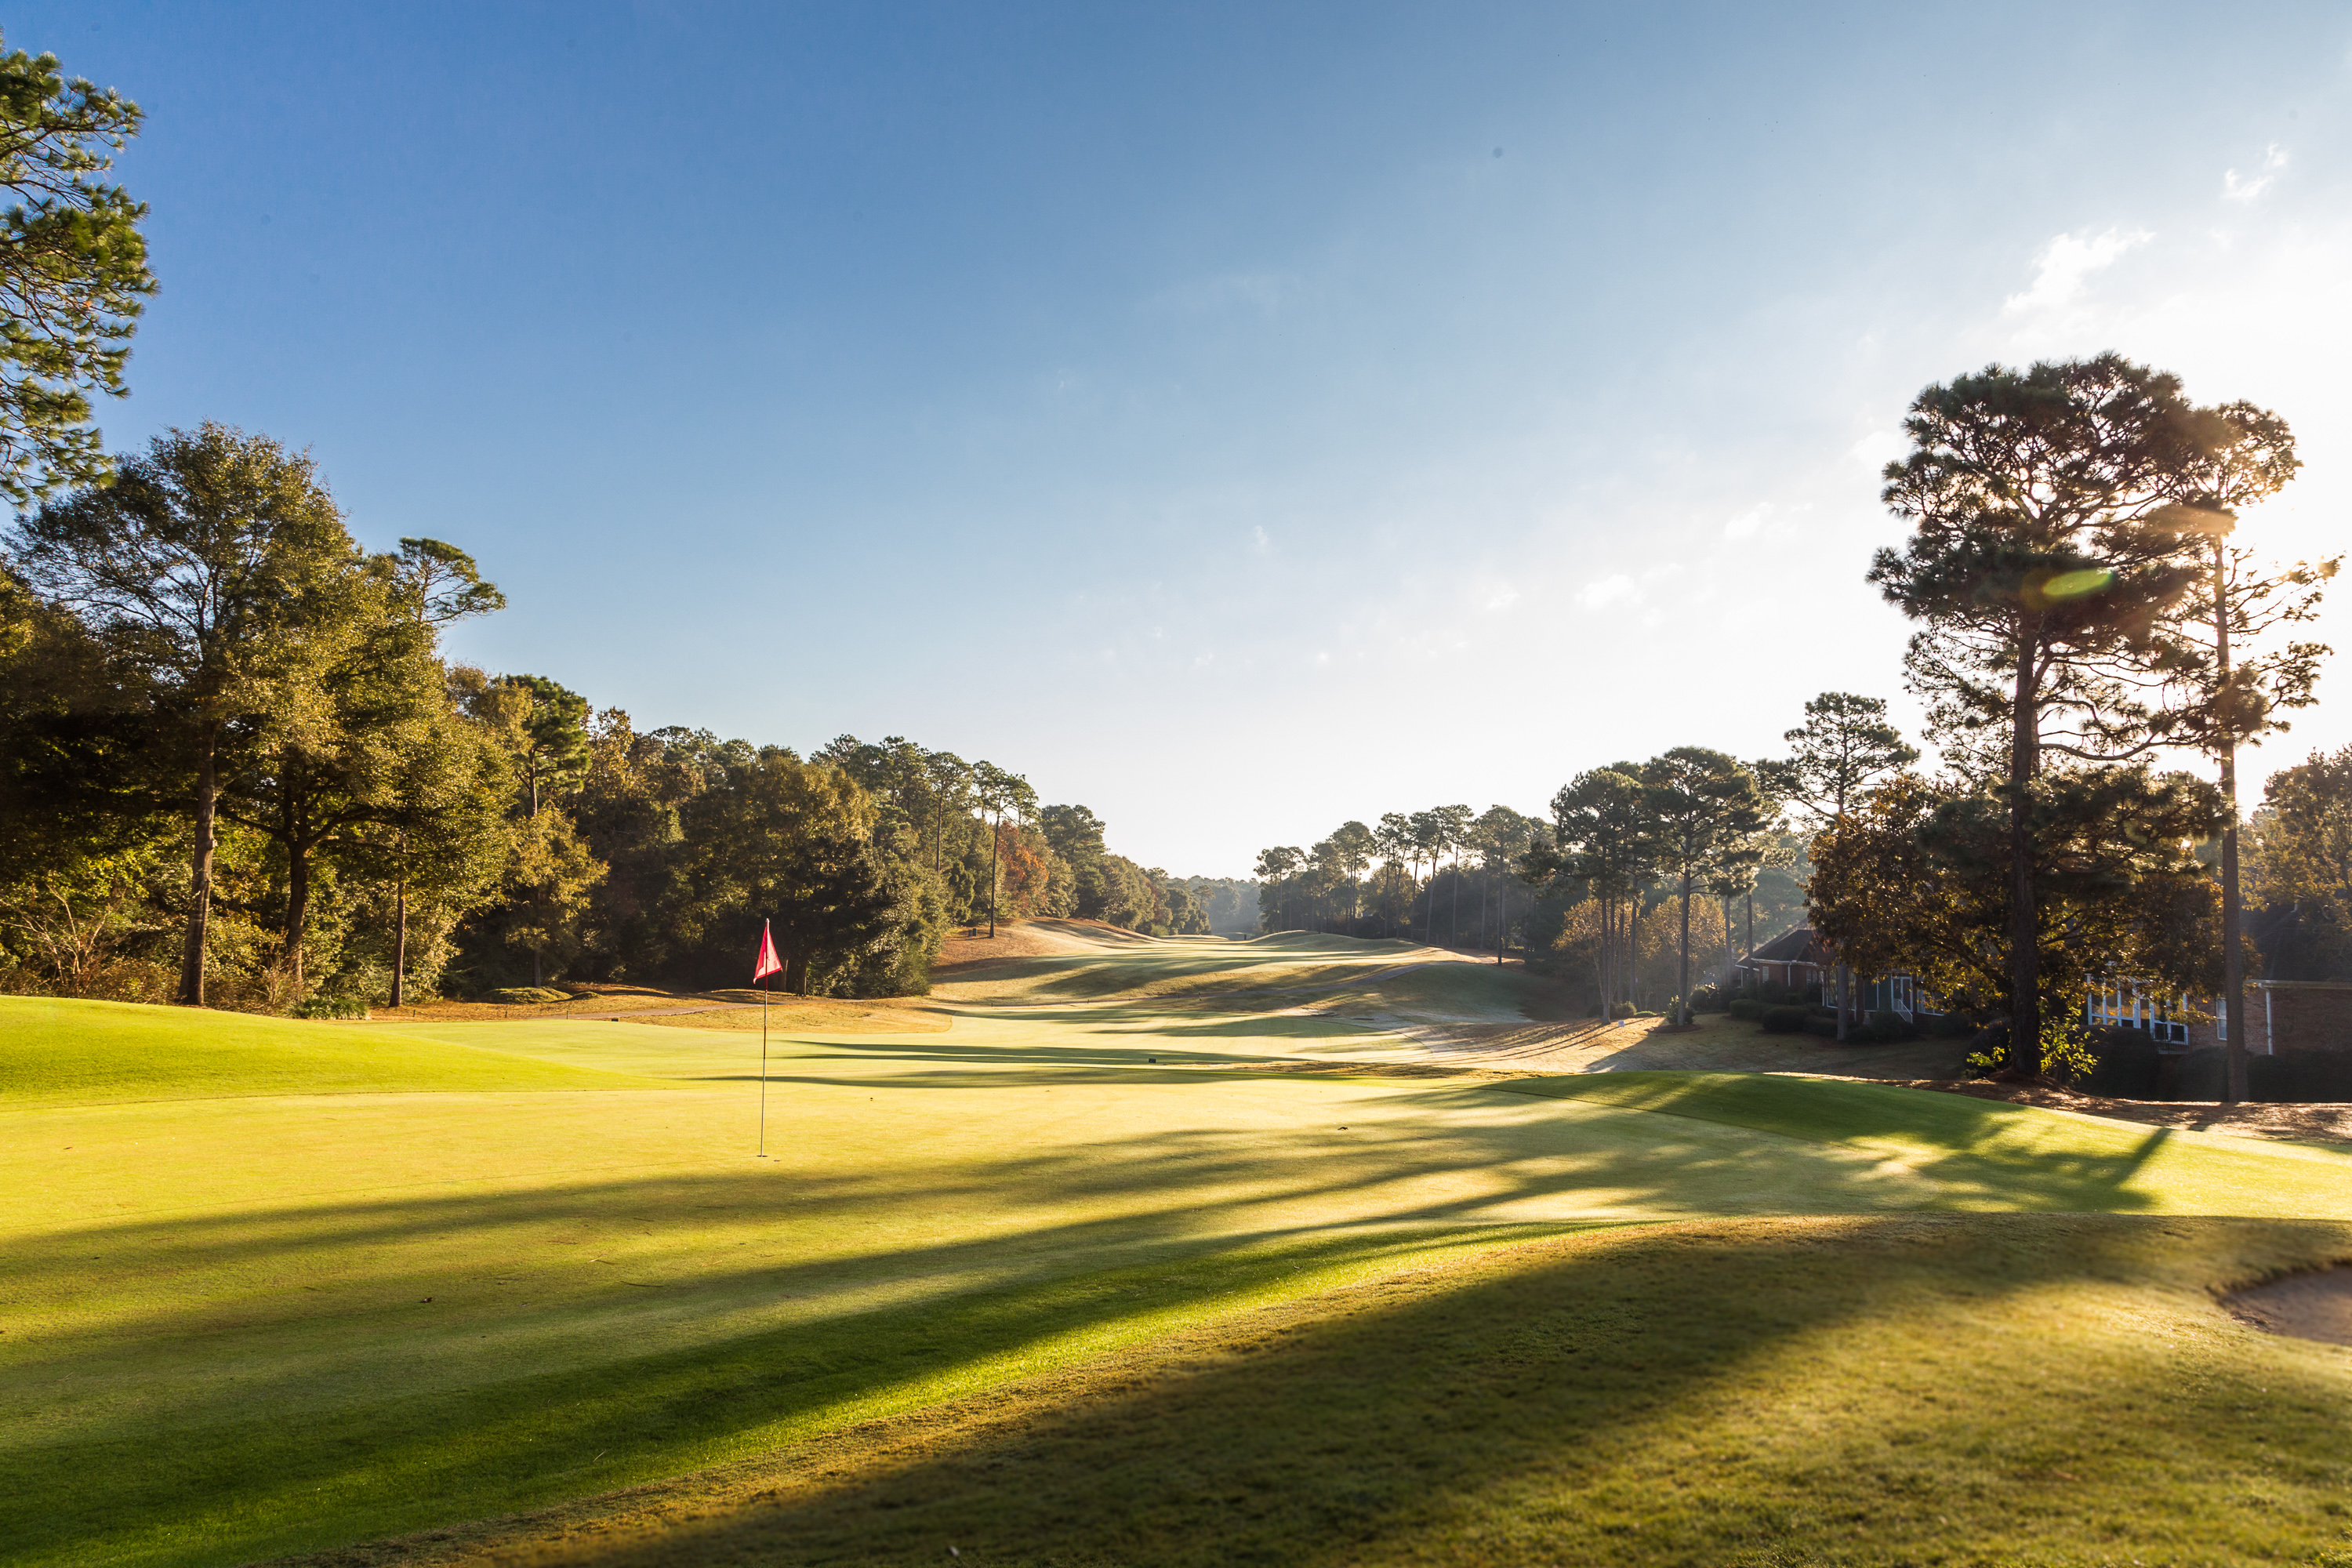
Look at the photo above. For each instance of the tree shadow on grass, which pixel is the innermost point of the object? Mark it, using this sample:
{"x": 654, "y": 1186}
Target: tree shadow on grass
{"x": 1205, "y": 1212}
{"x": 1631, "y": 1396}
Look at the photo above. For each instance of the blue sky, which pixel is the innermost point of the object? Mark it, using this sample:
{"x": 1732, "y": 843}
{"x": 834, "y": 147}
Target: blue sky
{"x": 1237, "y": 418}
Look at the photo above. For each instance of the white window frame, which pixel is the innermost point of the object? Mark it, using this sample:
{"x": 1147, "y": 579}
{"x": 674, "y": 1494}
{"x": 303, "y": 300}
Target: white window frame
{"x": 2121, "y": 1003}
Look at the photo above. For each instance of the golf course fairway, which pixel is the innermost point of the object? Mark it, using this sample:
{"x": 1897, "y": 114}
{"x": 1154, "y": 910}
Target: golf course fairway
{"x": 1181, "y": 1253}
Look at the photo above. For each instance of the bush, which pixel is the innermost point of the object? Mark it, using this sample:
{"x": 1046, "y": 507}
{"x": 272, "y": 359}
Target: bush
{"x": 1746, "y": 1007}
{"x": 1950, "y": 1026}
{"x": 1708, "y": 999}
{"x": 2296, "y": 1078}
{"x": 1821, "y": 1023}
{"x": 1887, "y": 1026}
{"x": 2128, "y": 1062}
{"x": 1788, "y": 1018}
{"x": 331, "y": 1007}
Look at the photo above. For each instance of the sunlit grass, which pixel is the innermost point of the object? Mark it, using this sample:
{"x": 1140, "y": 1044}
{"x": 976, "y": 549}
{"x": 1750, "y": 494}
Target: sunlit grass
{"x": 274, "y": 1286}
{"x": 1965, "y": 1390}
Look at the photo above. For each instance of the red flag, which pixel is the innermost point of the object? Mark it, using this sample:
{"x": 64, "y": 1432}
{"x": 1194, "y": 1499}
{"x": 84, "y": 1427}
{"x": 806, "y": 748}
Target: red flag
{"x": 767, "y": 963}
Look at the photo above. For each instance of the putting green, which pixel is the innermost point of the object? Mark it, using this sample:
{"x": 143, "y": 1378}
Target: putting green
{"x": 275, "y": 1285}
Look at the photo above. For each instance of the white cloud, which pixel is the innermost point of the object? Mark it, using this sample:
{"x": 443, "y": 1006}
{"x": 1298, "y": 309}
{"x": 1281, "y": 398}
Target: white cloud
{"x": 1260, "y": 543}
{"x": 1504, "y": 600}
{"x": 1748, "y": 522}
{"x": 2234, "y": 189}
{"x": 2065, "y": 262}
{"x": 1612, "y": 590}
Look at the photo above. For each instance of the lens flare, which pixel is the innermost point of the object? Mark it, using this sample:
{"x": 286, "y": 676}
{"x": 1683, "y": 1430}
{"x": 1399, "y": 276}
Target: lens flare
{"x": 2078, "y": 585}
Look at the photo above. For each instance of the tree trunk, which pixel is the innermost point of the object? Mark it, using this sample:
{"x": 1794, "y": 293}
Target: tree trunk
{"x": 292, "y": 824}
{"x": 992, "y": 878}
{"x": 1845, "y": 996}
{"x": 298, "y": 909}
{"x": 1503, "y": 926}
{"x": 1453, "y": 920}
{"x": 796, "y": 973}
{"x": 399, "y": 941}
{"x": 1752, "y": 926}
{"x": 2233, "y": 962}
{"x": 200, "y": 871}
{"x": 2024, "y": 918}
{"x": 1682, "y": 977}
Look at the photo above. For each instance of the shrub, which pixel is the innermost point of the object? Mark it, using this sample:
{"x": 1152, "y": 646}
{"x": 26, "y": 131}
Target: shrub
{"x": 1787, "y": 1019}
{"x": 331, "y": 1007}
{"x": 1746, "y": 1007}
{"x": 1950, "y": 1026}
{"x": 2128, "y": 1062}
{"x": 1708, "y": 999}
{"x": 1887, "y": 1026}
{"x": 2294, "y": 1078}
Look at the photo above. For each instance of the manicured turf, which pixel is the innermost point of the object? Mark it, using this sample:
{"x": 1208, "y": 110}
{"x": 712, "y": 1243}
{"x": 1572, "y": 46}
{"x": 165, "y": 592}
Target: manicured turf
{"x": 383, "y": 1277}
{"x": 1961, "y": 1389}
{"x": 96, "y": 1051}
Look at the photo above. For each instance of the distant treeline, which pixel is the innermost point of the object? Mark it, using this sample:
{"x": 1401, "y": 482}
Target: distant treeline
{"x": 1501, "y": 881}
{"x": 235, "y": 769}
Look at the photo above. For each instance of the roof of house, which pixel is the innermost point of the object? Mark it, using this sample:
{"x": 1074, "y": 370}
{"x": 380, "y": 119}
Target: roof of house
{"x": 2294, "y": 947}
{"x": 1796, "y": 945}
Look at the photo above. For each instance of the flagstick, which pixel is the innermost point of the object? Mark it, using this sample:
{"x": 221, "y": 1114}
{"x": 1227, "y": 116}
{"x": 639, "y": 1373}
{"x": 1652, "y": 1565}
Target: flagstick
{"x": 764, "y": 1066}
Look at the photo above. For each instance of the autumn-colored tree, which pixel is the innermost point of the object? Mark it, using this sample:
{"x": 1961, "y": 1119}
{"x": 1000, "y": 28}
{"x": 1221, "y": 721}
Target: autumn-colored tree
{"x": 999, "y": 794}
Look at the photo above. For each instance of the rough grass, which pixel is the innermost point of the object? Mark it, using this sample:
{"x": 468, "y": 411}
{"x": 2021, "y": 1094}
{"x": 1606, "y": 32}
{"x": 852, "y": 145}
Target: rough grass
{"x": 382, "y": 1279}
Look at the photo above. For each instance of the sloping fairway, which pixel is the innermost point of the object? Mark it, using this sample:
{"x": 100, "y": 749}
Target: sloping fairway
{"x": 77, "y": 1051}
{"x": 1021, "y": 1289}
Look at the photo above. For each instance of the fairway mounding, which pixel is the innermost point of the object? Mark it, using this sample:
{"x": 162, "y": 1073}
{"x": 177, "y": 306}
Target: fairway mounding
{"x": 1278, "y": 1292}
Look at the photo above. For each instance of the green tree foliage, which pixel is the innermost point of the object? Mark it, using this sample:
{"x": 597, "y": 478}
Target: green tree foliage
{"x": 2303, "y": 852}
{"x": 1600, "y": 845}
{"x": 1845, "y": 745}
{"x": 386, "y": 777}
{"x": 73, "y": 272}
{"x": 1281, "y": 904}
{"x": 217, "y": 571}
{"x": 1499, "y": 838}
{"x": 1917, "y": 880}
{"x": 1701, "y": 816}
{"x": 791, "y": 843}
{"x": 541, "y": 728}
{"x": 2042, "y": 569}
{"x": 2245, "y": 682}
